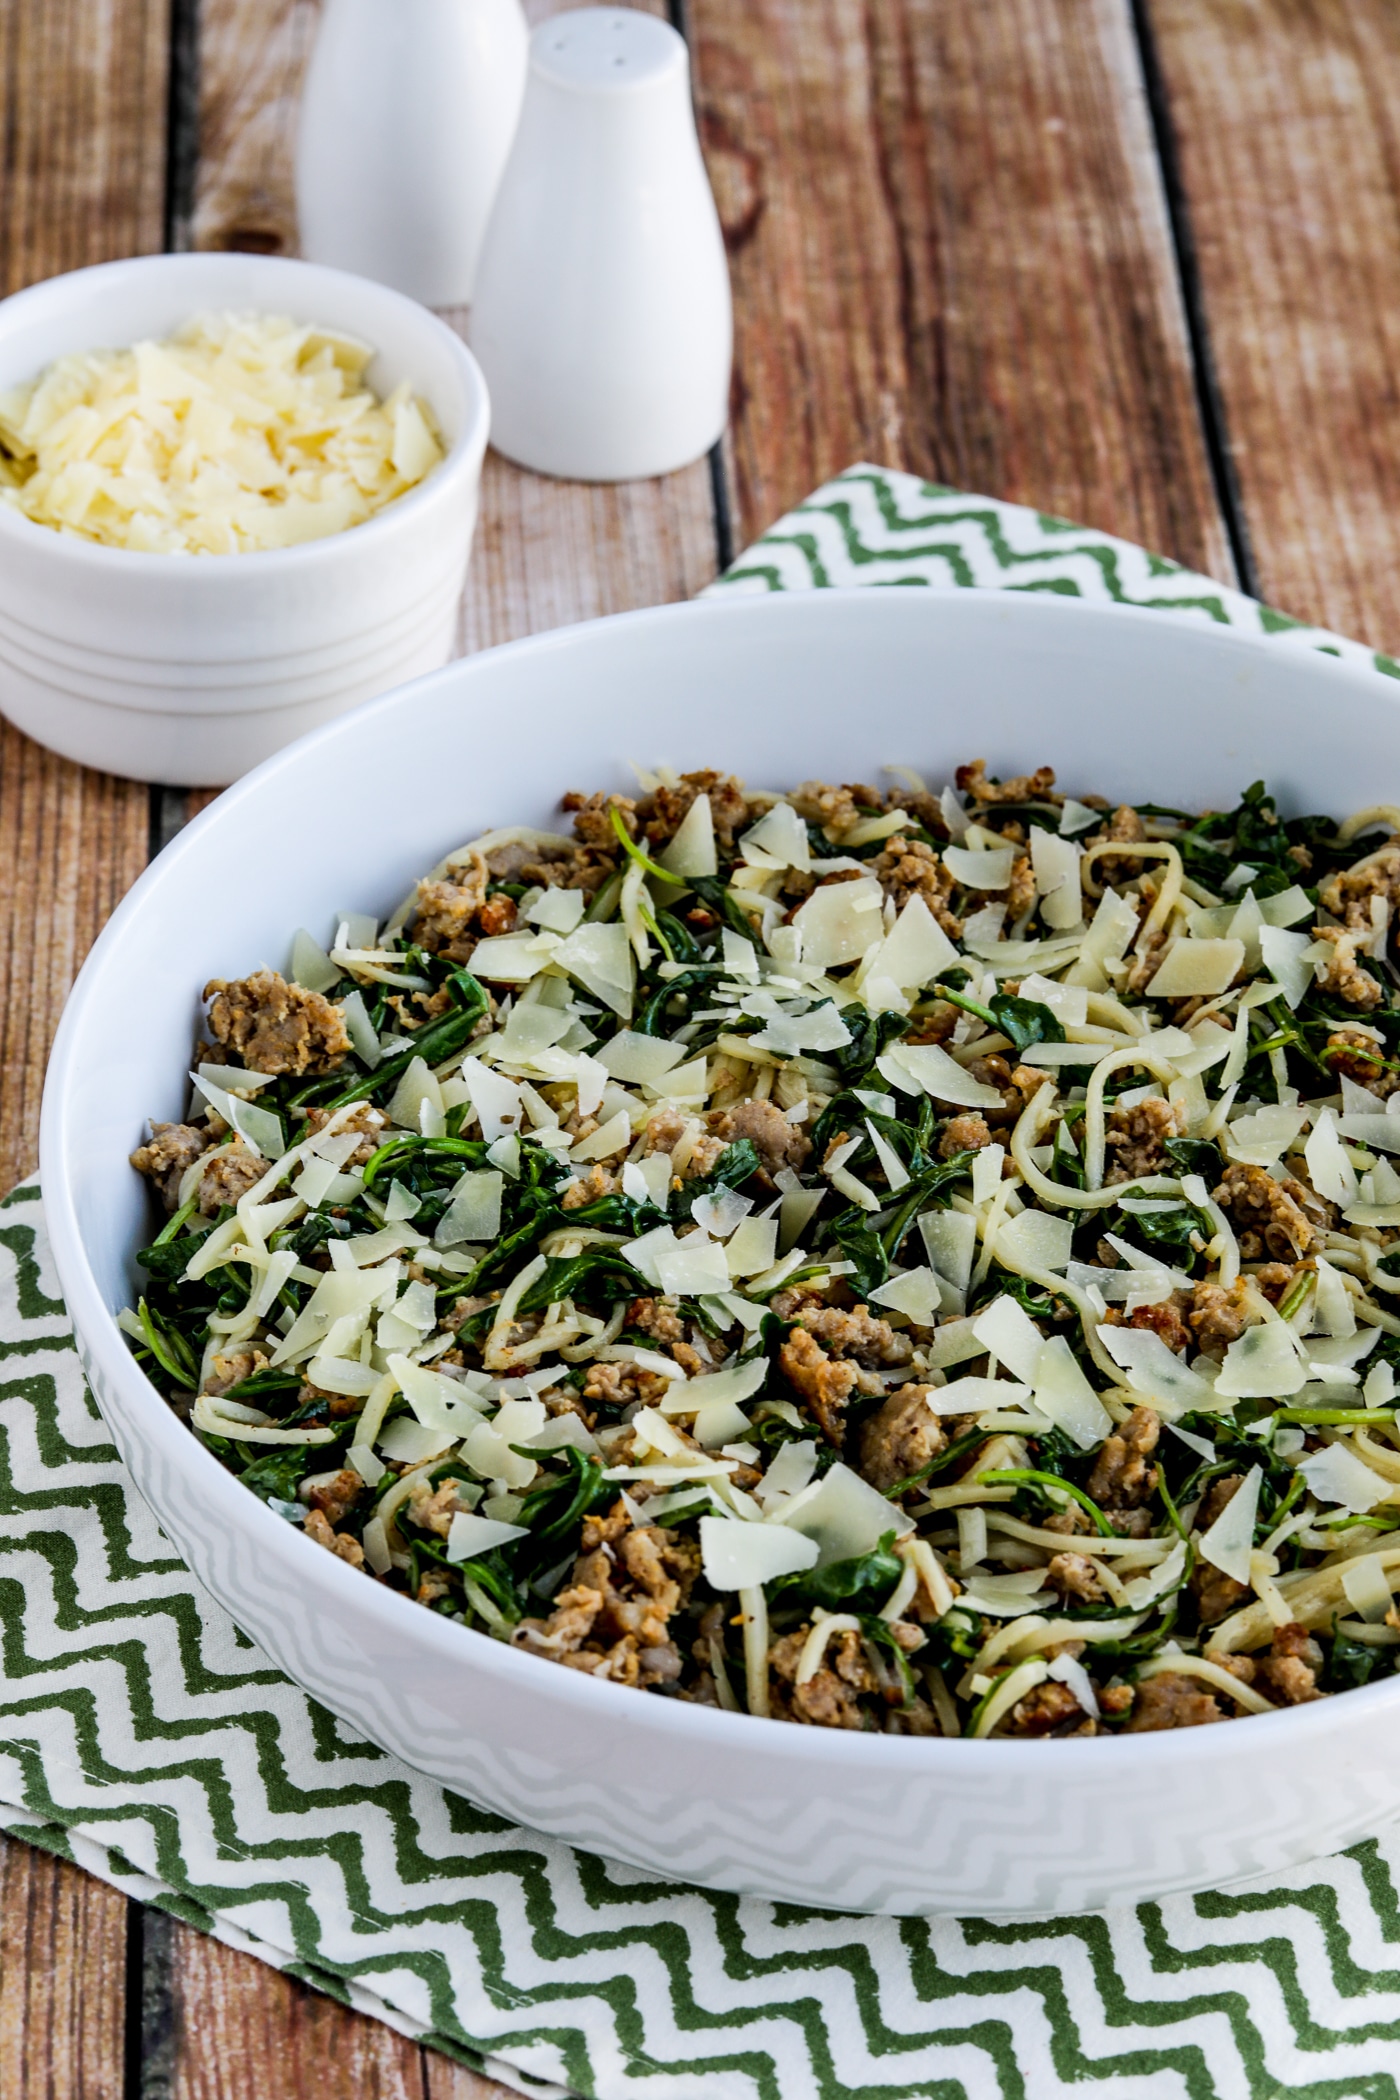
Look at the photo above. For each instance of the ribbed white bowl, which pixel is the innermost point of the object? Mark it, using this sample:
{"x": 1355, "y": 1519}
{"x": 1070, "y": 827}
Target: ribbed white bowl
{"x": 831, "y": 684}
{"x": 194, "y": 668}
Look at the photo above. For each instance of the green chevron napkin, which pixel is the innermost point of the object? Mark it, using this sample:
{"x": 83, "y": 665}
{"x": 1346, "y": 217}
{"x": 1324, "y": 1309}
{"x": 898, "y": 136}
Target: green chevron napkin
{"x": 143, "y": 1736}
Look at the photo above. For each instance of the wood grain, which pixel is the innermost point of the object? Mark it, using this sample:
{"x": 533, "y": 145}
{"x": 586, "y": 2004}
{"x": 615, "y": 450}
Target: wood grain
{"x": 238, "y": 2030}
{"x": 83, "y": 87}
{"x": 252, "y": 57}
{"x": 1287, "y": 119}
{"x": 61, "y": 1980}
{"x": 951, "y": 252}
{"x": 82, "y": 105}
{"x": 548, "y": 552}
{"x": 71, "y": 845}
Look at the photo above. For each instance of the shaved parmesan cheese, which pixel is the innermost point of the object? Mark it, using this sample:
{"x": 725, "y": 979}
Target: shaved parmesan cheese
{"x": 495, "y": 1098}
{"x": 987, "y": 870}
{"x": 242, "y": 432}
{"x": 754, "y": 1247}
{"x": 557, "y": 911}
{"x": 1055, "y": 860}
{"x": 789, "y": 1471}
{"x": 1064, "y": 1394}
{"x": 820, "y": 1028}
{"x": 1011, "y": 1335}
{"x": 1330, "y": 1171}
{"x": 846, "y": 1516}
{"x": 691, "y": 853}
{"x": 438, "y": 1402}
{"x": 311, "y": 967}
{"x": 638, "y": 1059}
{"x": 691, "y": 1267}
{"x": 966, "y": 1396}
{"x": 938, "y": 1074}
{"x": 1146, "y": 1589}
{"x": 1076, "y": 817}
{"x": 1333, "y": 1311}
{"x": 600, "y": 958}
{"x": 1262, "y": 1138}
{"x": 1072, "y": 1674}
{"x": 1069, "y": 1002}
{"x": 1245, "y": 925}
{"x": 1377, "y": 1131}
{"x": 1156, "y": 1371}
{"x": 1336, "y": 1474}
{"x": 1113, "y": 926}
{"x": 950, "y": 1241}
{"x": 986, "y": 1172}
{"x": 259, "y": 1128}
{"x": 740, "y": 955}
{"x": 1230, "y": 1540}
{"x": 417, "y": 1103}
{"x": 1379, "y": 1389}
{"x": 839, "y": 921}
{"x": 916, "y": 1293}
{"x": 1262, "y": 1365}
{"x": 1366, "y": 1585}
{"x": 408, "y": 1443}
{"x": 470, "y": 1534}
{"x": 954, "y": 1342}
{"x": 686, "y": 1083}
{"x": 1035, "y": 1239}
{"x": 720, "y": 1213}
{"x": 1285, "y": 956}
{"x": 914, "y": 952}
{"x": 777, "y": 840}
{"x": 612, "y": 1136}
{"x": 1197, "y": 968}
{"x": 474, "y": 1212}
{"x": 733, "y": 1385}
{"x": 738, "y": 1556}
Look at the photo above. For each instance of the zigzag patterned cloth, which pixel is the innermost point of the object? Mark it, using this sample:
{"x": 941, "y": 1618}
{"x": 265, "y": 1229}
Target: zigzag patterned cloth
{"x": 143, "y": 1736}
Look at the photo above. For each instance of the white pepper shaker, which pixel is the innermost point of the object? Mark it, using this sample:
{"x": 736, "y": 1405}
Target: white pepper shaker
{"x": 602, "y": 316}
{"x": 407, "y": 118}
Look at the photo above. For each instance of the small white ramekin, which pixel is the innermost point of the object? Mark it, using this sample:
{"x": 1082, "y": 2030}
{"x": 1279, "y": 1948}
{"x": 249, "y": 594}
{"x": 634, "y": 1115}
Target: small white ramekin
{"x": 192, "y": 668}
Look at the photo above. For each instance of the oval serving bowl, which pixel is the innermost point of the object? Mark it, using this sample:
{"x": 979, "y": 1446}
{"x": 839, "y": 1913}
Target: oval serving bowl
{"x": 827, "y": 684}
{"x": 193, "y": 668}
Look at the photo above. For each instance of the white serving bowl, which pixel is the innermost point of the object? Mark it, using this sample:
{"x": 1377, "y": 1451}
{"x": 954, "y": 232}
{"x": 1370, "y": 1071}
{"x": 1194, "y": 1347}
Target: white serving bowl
{"x": 192, "y": 668}
{"x": 832, "y": 684}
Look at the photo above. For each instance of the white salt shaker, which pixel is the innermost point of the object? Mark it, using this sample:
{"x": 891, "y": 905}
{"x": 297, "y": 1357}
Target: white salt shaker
{"x": 602, "y": 316}
{"x": 407, "y": 117}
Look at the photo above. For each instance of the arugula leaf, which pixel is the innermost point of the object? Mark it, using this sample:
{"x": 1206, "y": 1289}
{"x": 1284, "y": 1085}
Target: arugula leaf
{"x": 1023, "y": 1021}
{"x": 169, "y": 1259}
{"x": 278, "y": 1476}
{"x": 861, "y": 1584}
{"x": 1349, "y": 1663}
{"x": 871, "y": 1036}
{"x": 1026, "y": 1021}
{"x": 1197, "y": 1156}
{"x": 598, "y": 1274}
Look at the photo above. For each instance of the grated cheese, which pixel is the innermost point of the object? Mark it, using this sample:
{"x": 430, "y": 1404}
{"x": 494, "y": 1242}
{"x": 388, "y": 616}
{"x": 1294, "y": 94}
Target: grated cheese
{"x": 241, "y": 433}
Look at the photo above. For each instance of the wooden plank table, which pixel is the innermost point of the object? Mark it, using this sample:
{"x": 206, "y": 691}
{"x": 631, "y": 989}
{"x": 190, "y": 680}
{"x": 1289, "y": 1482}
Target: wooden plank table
{"x": 1133, "y": 261}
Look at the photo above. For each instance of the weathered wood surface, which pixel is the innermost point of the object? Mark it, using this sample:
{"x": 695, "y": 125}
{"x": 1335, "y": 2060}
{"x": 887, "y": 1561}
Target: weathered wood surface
{"x": 951, "y": 253}
{"x": 241, "y": 2031}
{"x": 82, "y": 103}
{"x": 1287, "y": 120}
{"x": 62, "y": 1937}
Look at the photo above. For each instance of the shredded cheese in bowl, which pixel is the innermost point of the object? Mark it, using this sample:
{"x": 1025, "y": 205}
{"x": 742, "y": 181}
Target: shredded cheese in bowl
{"x": 240, "y": 433}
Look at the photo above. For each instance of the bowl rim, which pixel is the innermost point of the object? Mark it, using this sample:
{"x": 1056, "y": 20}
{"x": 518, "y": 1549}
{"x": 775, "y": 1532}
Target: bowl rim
{"x": 461, "y": 460}
{"x": 95, "y": 1326}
